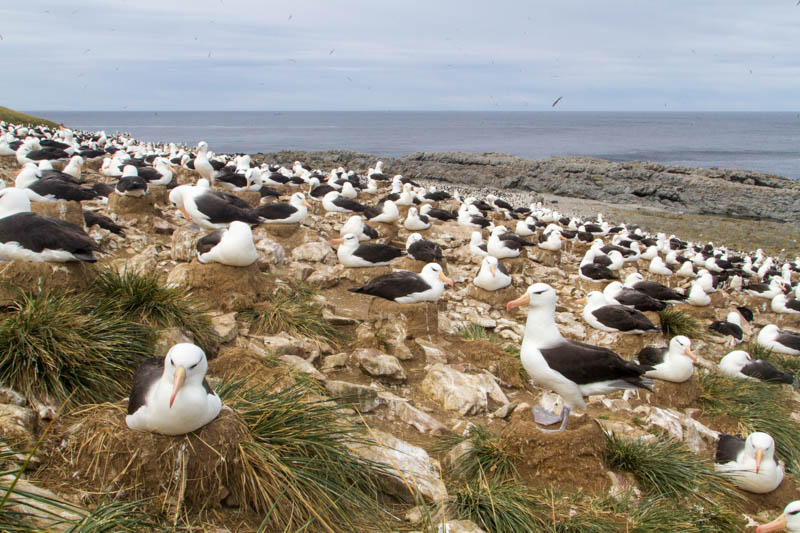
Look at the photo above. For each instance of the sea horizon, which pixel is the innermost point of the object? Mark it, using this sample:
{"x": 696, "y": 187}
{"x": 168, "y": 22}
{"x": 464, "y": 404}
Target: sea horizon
{"x": 766, "y": 141}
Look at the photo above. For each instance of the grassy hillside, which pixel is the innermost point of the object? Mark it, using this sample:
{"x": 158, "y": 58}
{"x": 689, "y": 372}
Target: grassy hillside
{"x": 9, "y": 115}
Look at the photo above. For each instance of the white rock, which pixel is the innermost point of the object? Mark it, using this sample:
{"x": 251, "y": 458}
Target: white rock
{"x": 409, "y": 467}
{"x": 301, "y": 365}
{"x": 380, "y": 365}
{"x": 225, "y": 326}
{"x": 432, "y": 353}
{"x": 312, "y": 252}
{"x": 467, "y": 394}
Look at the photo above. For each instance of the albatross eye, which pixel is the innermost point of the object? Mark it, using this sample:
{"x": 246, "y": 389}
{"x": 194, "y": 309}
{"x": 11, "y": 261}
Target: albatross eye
{"x": 194, "y": 365}
{"x": 172, "y": 362}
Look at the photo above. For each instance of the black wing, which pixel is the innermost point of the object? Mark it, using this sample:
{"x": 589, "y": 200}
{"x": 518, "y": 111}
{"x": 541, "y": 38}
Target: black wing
{"x": 727, "y": 328}
{"x": 149, "y": 371}
{"x": 658, "y": 291}
{"x": 442, "y": 214}
{"x": 427, "y": 251}
{"x": 651, "y": 355}
{"x": 347, "y": 203}
{"x": 766, "y": 372}
{"x": 394, "y": 285}
{"x": 378, "y": 253}
{"x": 63, "y": 190}
{"x": 38, "y": 232}
{"x": 595, "y": 271}
{"x": 639, "y": 300}
{"x": 372, "y": 212}
{"x": 746, "y": 313}
{"x": 369, "y": 231}
{"x": 502, "y": 268}
{"x": 789, "y": 339}
{"x": 230, "y": 198}
{"x": 623, "y": 318}
{"x": 584, "y": 363}
{"x": 91, "y": 218}
{"x": 219, "y": 211}
{"x": 728, "y": 448}
{"x": 206, "y": 243}
{"x": 276, "y": 210}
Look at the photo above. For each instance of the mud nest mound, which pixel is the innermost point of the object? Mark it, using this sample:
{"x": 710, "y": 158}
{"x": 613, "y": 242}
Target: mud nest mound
{"x": 98, "y": 453}
{"x": 571, "y": 458}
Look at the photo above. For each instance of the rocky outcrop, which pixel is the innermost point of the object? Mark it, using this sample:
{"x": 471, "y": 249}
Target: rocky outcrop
{"x": 729, "y": 192}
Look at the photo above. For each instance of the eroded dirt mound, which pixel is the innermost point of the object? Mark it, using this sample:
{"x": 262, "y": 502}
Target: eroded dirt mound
{"x": 570, "y": 459}
{"x": 99, "y": 453}
{"x": 225, "y": 287}
{"x": 240, "y": 363}
{"x": 489, "y": 356}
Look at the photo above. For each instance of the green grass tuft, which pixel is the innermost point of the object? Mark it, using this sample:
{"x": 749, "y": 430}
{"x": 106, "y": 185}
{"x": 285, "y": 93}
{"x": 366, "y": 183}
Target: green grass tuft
{"x": 143, "y": 297}
{"x": 476, "y": 332}
{"x": 56, "y": 345}
{"x": 758, "y": 406}
{"x": 17, "y": 117}
{"x": 486, "y": 455}
{"x": 300, "y": 473}
{"x": 294, "y": 311}
{"x": 496, "y": 506}
{"x": 664, "y": 467}
{"x": 674, "y": 323}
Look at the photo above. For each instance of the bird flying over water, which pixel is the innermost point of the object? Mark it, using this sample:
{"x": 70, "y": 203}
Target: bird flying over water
{"x": 557, "y": 101}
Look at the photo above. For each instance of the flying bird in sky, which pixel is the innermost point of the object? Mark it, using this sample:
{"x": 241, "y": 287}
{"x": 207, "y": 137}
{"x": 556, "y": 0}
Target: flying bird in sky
{"x": 557, "y": 101}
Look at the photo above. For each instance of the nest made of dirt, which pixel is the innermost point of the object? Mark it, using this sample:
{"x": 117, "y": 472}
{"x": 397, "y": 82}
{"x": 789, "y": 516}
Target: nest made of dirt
{"x": 572, "y": 458}
{"x": 233, "y": 363}
{"x": 489, "y": 356}
{"x": 98, "y": 453}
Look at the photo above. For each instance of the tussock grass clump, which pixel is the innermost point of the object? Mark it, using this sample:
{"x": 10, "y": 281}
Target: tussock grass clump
{"x": 476, "y": 332}
{"x": 54, "y": 345}
{"x": 142, "y": 296}
{"x": 496, "y": 506}
{"x": 658, "y": 514}
{"x": 486, "y": 454}
{"x": 298, "y": 471}
{"x": 758, "y": 406}
{"x": 294, "y": 311}
{"x": 779, "y": 360}
{"x": 674, "y": 323}
{"x": 664, "y": 467}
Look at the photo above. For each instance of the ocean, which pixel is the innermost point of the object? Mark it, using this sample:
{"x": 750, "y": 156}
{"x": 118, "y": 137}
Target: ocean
{"x": 769, "y": 142}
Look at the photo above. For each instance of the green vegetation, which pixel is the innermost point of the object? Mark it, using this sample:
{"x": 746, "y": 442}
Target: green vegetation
{"x": 664, "y": 467}
{"x": 485, "y": 454}
{"x": 474, "y": 332}
{"x": 299, "y": 473}
{"x": 143, "y": 297}
{"x": 294, "y": 311}
{"x": 674, "y": 323}
{"x": 56, "y": 345}
{"x": 758, "y": 406}
{"x": 16, "y": 117}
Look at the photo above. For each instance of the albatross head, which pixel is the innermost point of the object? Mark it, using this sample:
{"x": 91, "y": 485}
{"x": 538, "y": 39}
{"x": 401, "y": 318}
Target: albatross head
{"x": 761, "y": 446}
{"x": 432, "y": 271}
{"x": 537, "y": 295}
{"x": 789, "y": 520}
{"x": 184, "y": 362}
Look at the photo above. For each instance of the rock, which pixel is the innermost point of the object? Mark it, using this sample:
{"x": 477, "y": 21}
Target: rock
{"x": 380, "y": 365}
{"x": 432, "y": 353}
{"x": 63, "y": 209}
{"x": 360, "y": 397}
{"x": 400, "y": 409}
{"x": 17, "y": 424}
{"x": 334, "y": 362}
{"x": 337, "y": 320}
{"x": 421, "y": 319}
{"x": 301, "y": 365}
{"x": 312, "y": 252}
{"x": 167, "y": 338}
{"x": 278, "y": 345}
{"x": 466, "y": 394}
{"x": 326, "y": 277}
{"x": 270, "y": 252}
{"x": 183, "y": 242}
{"x": 27, "y": 496}
{"x": 459, "y": 526}
{"x": 9, "y": 395}
{"x": 225, "y": 326}
{"x": 410, "y": 471}
{"x": 163, "y": 227}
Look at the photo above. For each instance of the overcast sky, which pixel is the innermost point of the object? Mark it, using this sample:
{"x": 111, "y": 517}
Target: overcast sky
{"x": 401, "y": 55}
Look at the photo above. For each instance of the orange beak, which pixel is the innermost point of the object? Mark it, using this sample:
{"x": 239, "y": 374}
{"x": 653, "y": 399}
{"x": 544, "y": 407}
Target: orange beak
{"x": 185, "y": 214}
{"x": 446, "y": 279}
{"x": 759, "y": 457}
{"x": 688, "y": 351}
{"x": 337, "y": 240}
{"x": 525, "y": 299}
{"x": 308, "y": 205}
{"x": 776, "y": 525}
{"x": 180, "y": 377}
{"x": 581, "y": 301}
{"x": 491, "y": 269}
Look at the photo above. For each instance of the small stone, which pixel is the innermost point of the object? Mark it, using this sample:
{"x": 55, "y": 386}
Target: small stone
{"x": 301, "y": 365}
{"x": 335, "y": 361}
{"x": 380, "y": 365}
{"x": 432, "y": 353}
{"x": 362, "y": 398}
{"x": 312, "y": 252}
{"x": 225, "y": 326}
{"x": 467, "y": 394}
